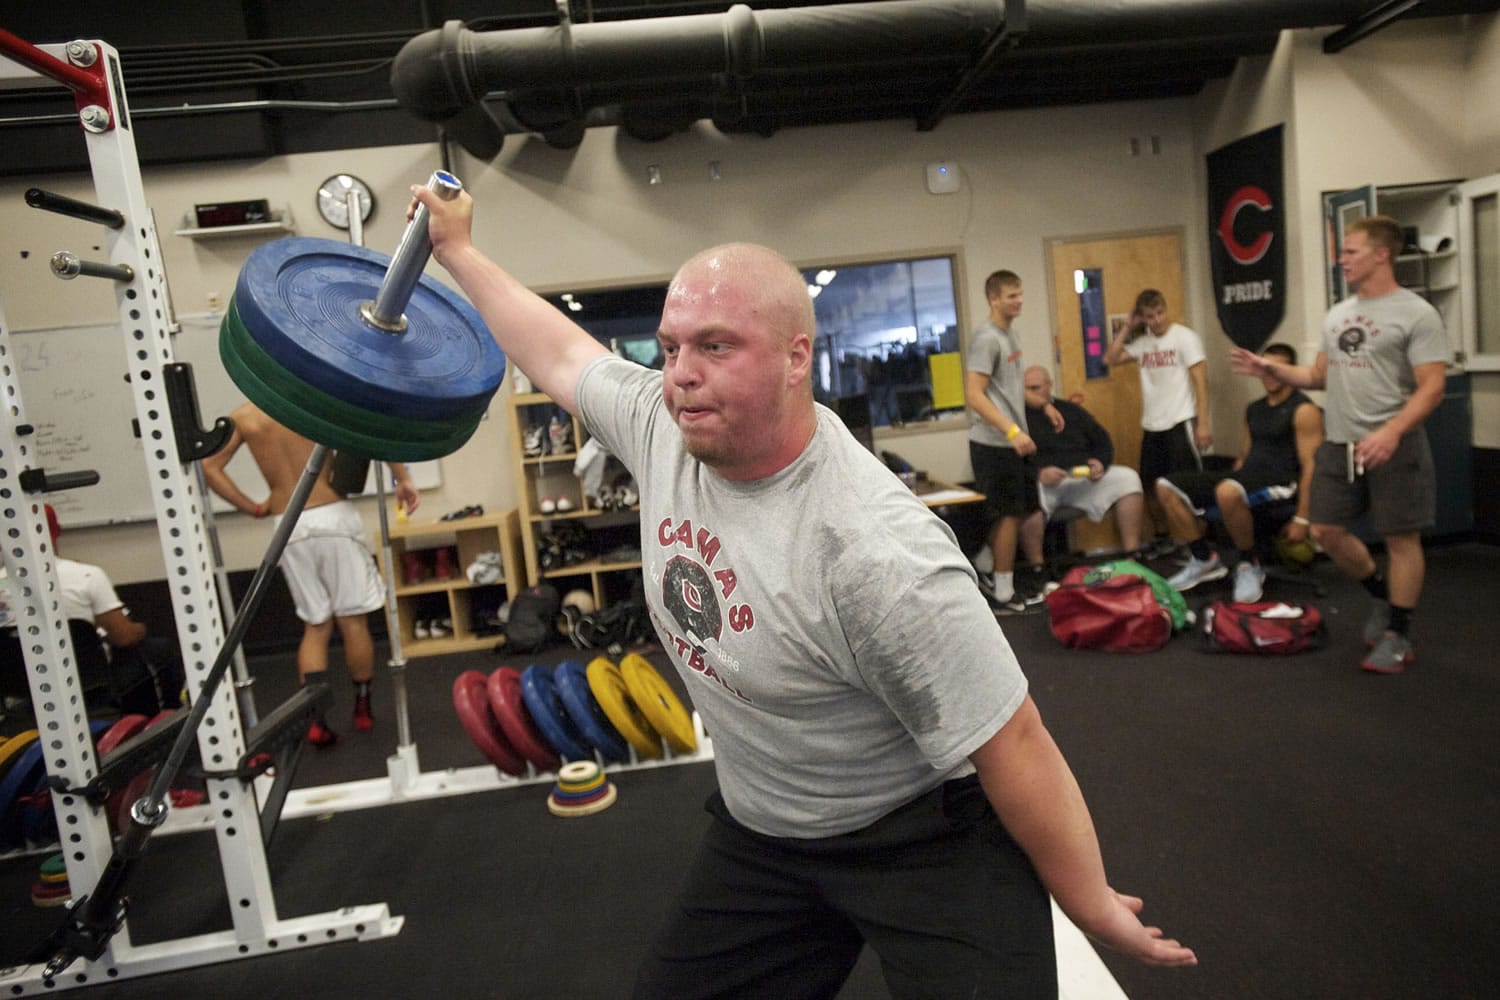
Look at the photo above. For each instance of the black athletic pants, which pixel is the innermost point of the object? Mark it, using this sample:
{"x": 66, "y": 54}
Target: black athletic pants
{"x": 946, "y": 899}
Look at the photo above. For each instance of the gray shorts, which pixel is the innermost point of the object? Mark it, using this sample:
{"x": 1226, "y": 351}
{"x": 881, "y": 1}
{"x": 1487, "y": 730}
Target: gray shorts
{"x": 1093, "y": 497}
{"x": 1399, "y": 496}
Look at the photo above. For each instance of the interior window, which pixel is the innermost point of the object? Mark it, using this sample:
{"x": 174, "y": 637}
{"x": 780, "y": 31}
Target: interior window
{"x": 887, "y": 330}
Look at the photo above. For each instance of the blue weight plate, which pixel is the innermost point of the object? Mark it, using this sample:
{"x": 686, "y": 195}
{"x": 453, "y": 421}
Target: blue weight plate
{"x": 572, "y": 683}
{"x": 36, "y": 823}
{"x": 338, "y": 435}
{"x": 19, "y": 780}
{"x": 509, "y": 708}
{"x": 299, "y": 298}
{"x": 540, "y": 695}
{"x": 581, "y": 798}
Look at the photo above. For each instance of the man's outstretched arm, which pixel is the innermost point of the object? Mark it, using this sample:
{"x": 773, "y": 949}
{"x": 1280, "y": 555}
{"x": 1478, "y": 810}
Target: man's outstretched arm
{"x": 550, "y": 348}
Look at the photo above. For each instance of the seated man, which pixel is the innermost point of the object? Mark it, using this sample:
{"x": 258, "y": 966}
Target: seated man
{"x": 146, "y": 671}
{"x": 1276, "y": 464}
{"x": 1073, "y": 469}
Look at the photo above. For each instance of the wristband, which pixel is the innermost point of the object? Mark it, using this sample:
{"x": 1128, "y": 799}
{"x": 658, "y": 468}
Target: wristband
{"x": 261, "y": 510}
{"x": 1299, "y": 519}
{"x": 1015, "y": 429}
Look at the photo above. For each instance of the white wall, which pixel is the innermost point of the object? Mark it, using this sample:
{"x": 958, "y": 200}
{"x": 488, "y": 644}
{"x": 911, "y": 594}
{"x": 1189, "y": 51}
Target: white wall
{"x": 1256, "y": 96}
{"x": 1387, "y": 111}
{"x": 588, "y": 217}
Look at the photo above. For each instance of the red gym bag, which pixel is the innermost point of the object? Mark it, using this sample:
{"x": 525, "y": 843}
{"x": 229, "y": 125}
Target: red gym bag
{"x": 1269, "y": 628}
{"x": 1119, "y": 614}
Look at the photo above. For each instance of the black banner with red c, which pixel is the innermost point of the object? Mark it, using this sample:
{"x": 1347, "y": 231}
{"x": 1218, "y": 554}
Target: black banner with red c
{"x": 1247, "y": 237}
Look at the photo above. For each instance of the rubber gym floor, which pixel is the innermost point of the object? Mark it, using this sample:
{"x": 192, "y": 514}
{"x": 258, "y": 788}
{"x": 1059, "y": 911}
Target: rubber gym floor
{"x": 1310, "y": 829}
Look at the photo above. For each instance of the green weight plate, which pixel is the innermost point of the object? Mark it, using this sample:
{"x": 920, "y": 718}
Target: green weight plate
{"x": 336, "y": 411}
{"x": 334, "y": 435}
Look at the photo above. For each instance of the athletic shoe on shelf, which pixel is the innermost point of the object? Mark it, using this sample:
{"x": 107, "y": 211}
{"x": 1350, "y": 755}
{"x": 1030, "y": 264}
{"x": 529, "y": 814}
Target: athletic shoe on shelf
{"x": 1199, "y": 571}
{"x": 1249, "y": 582}
{"x": 626, "y": 495}
{"x": 413, "y": 570}
{"x": 546, "y": 505}
{"x": 364, "y": 721}
{"x": 440, "y": 628}
{"x": 320, "y": 735}
{"x": 534, "y": 443}
{"x": 558, "y": 435}
{"x": 1377, "y": 623}
{"x": 420, "y": 630}
{"x": 563, "y": 505}
{"x": 1390, "y": 655}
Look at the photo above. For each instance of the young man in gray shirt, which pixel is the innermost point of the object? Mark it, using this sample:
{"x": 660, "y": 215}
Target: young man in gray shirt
{"x": 998, "y": 440}
{"x": 876, "y": 747}
{"x": 1384, "y": 364}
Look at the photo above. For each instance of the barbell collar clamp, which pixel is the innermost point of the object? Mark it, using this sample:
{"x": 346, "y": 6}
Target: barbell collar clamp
{"x": 385, "y": 313}
{"x": 68, "y": 265}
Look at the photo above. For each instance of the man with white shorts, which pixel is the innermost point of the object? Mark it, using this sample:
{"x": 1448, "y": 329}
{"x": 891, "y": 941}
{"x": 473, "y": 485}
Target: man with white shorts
{"x": 327, "y": 565}
{"x": 1073, "y": 469}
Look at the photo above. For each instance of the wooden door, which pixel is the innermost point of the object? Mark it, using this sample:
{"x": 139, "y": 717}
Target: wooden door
{"x": 1126, "y": 266}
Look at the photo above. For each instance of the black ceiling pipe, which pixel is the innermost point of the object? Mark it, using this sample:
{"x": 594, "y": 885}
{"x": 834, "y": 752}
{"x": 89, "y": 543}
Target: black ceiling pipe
{"x": 440, "y": 72}
{"x": 704, "y": 63}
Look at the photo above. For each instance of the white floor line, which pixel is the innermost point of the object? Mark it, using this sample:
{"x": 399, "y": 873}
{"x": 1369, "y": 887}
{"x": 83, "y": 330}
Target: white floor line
{"x": 1081, "y": 973}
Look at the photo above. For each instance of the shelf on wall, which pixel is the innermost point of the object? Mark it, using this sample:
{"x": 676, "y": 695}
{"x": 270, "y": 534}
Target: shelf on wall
{"x": 562, "y": 456}
{"x": 1416, "y": 258}
{"x": 588, "y": 566}
{"x": 280, "y": 222}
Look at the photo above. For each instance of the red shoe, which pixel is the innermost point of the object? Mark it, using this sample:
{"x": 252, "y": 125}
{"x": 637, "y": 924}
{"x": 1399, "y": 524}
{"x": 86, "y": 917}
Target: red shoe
{"x": 443, "y": 565}
{"x": 363, "y": 720}
{"x": 412, "y": 568}
{"x": 321, "y": 736}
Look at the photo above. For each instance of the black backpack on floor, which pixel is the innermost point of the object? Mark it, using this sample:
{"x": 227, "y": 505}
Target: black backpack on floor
{"x": 533, "y": 620}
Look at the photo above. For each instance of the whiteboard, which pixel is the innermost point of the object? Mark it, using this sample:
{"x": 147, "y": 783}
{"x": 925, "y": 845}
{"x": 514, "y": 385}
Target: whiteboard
{"x": 74, "y": 394}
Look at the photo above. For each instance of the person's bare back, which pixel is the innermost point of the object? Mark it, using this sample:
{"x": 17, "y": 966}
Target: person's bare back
{"x": 280, "y": 453}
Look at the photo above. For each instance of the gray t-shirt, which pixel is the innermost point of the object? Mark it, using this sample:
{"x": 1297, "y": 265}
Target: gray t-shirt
{"x": 1372, "y": 346}
{"x": 997, "y": 353}
{"x": 825, "y": 622}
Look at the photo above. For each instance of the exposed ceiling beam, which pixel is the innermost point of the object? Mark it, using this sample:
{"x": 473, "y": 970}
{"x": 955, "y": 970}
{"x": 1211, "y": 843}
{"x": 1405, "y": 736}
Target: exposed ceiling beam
{"x": 1368, "y": 23}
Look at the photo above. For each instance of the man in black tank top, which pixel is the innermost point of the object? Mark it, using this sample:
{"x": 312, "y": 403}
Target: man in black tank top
{"x": 1275, "y": 463}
